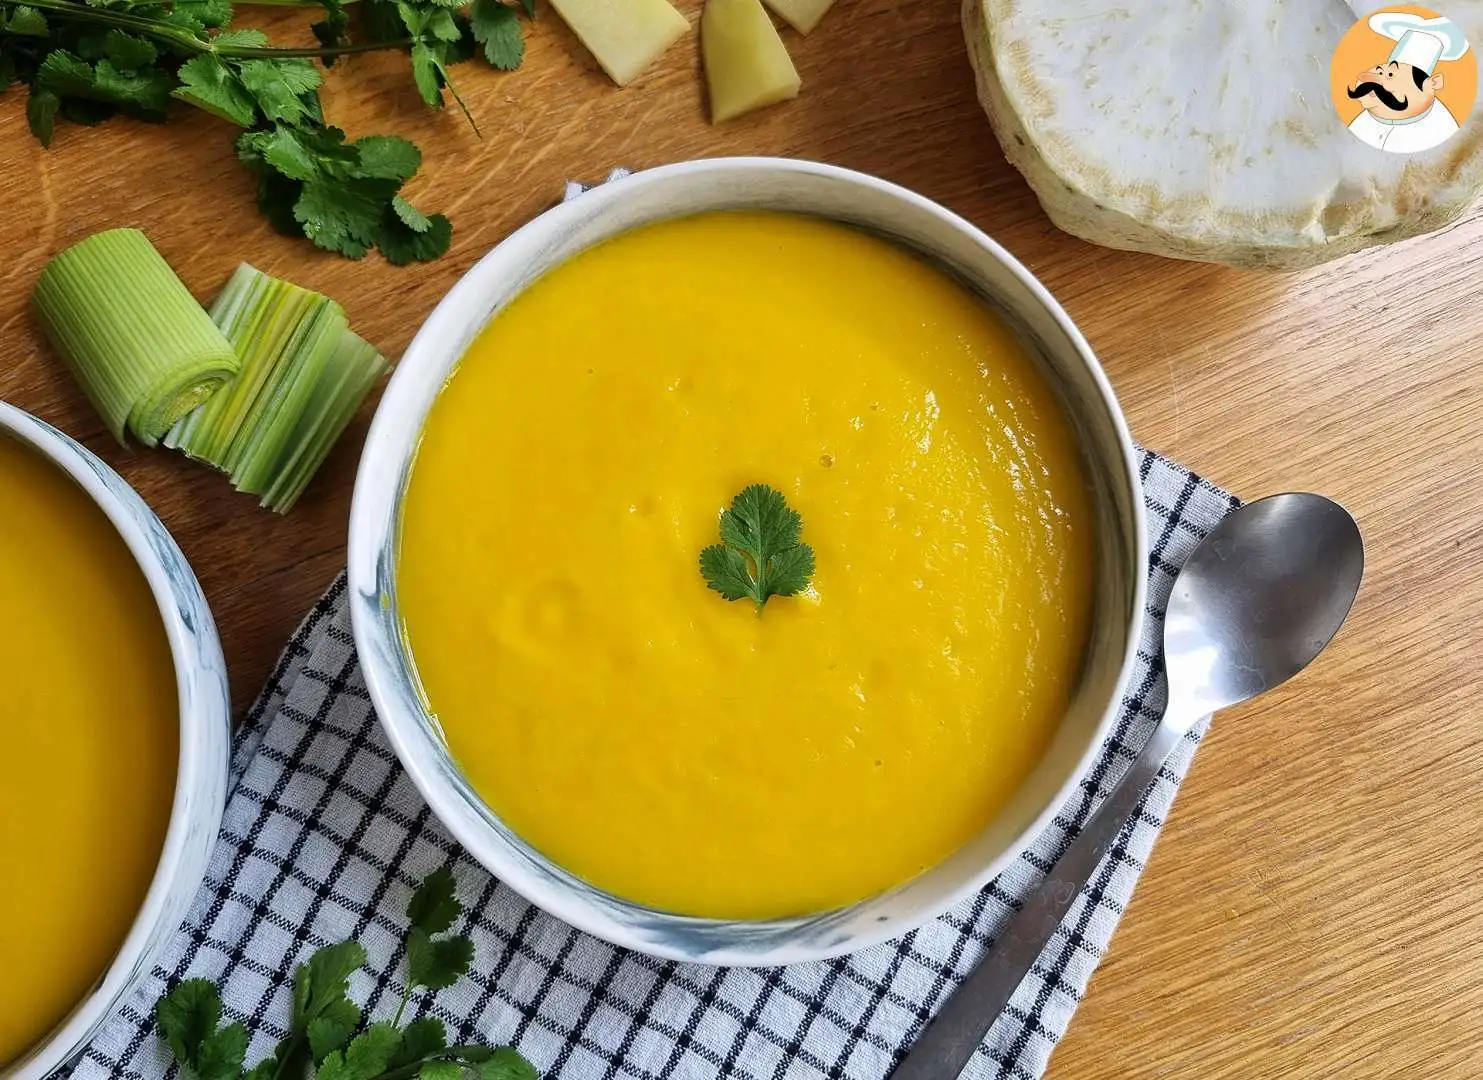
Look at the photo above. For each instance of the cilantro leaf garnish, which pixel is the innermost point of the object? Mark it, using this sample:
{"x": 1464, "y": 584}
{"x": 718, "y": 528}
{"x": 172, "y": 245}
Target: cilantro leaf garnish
{"x": 387, "y": 157}
{"x": 128, "y": 51}
{"x": 326, "y": 1039}
{"x": 401, "y": 240}
{"x": 25, "y": 21}
{"x": 760, "y": 554}
{"x": 437, "y": 964}
{"x": 324, "y": 982}
{"x": 367, "y": 1057}
{"x": 434, "y": 907}
{"x": 207, "y": 83}
{"x": 245, "y": 38}
{"x": 65, "y": 74}
{"x": 409, "y": 215}
{"x": 497, "y": 28}
{"x": 188, "y": 1017}
{"x": 506, "y": 1064}
{"x": 277, "y": 86}
{"x": 421, "y": 1038}
{"x": 332, "y": 1029}
{"x": 41, "y": 114}
{"x": 209, "y": 13}
{"x": 434, "y": 962}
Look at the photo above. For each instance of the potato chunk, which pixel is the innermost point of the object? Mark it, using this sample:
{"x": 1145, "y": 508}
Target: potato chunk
{"x": 625, "y": 36}
{"x": 746, "y": 64}
{"x": 801, "y": 15}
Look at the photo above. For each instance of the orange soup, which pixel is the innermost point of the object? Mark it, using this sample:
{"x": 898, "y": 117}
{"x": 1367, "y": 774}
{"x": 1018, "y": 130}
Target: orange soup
{"x": 89, "y": 723}
{"x": 693, "y": 754}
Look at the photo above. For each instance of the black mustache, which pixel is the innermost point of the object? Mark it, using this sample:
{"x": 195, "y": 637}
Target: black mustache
{"x": 1389, "y": 99}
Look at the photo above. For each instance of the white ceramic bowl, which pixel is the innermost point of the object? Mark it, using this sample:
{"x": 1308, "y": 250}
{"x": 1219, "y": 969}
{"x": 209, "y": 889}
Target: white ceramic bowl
{"x": 673, "y": 191}
{"x": 205, "y": 738}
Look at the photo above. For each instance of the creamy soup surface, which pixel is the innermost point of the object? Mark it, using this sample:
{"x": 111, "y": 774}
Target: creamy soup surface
{"x": 684, "y": 751}
{"x": 90, "y": 730}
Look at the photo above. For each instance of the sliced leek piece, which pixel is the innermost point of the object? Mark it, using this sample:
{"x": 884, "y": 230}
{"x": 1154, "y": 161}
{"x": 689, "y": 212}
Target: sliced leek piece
{"x": 304, "y": 375}
{"x": 131, "y": 334}
{"x": 354, "y": 368}
{"x": 259, "y": 315}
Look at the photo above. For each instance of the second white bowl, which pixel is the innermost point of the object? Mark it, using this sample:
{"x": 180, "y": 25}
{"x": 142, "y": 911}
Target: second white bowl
{"x": 205, "y": 738}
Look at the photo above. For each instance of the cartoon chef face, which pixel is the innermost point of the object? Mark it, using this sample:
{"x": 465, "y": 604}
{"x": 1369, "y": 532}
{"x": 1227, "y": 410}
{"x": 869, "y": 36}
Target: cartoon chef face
{"x": 1404, "y": 85}
{"x": 1396, "y": 90}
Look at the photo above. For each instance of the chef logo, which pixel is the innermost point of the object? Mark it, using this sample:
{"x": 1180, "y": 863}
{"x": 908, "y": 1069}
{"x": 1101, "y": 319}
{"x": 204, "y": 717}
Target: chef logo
{"x": 1403, "y": 78}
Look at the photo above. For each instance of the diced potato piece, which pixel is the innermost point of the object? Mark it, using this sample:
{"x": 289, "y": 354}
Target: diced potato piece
{"x": 626, "y": 36}
{"x": 801, "y": 15}
{"x": 746, "y": 65}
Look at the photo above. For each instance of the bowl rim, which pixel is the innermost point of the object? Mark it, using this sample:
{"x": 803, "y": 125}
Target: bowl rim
{"x": 426, "y": 347}
{"x": 204, "y": 719}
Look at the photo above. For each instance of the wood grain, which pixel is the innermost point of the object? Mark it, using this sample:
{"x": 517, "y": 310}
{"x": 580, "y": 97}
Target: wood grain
{"x": 1312, "y": 910}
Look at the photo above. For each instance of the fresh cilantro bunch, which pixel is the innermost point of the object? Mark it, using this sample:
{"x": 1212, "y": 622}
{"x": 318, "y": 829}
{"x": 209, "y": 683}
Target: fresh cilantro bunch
{"x": 327, "y": 1039}
{"x": 760, "y": 554}
{"x": 87, "y": 61}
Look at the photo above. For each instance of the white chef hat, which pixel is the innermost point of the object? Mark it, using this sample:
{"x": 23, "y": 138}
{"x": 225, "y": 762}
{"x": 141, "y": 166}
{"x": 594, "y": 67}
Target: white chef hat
{"x": 1420, "y": 42}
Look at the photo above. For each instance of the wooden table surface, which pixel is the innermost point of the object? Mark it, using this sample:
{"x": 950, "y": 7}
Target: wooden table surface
{"x": 1313, "y": 908}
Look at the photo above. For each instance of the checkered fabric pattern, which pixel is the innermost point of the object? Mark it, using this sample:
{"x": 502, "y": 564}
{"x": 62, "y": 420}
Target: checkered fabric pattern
{"x": 325, "y": 836}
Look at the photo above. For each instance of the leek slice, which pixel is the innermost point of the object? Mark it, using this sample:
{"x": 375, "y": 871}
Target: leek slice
{"x": 131, "y": 334}
{"x": 259, "y": 315}
{"x": 304, "y": 375}
{"x": 354, "y": 369}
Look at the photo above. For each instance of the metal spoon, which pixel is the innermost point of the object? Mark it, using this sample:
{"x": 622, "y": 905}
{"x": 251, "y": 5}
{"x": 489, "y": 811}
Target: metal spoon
{"x": 1258, "y": 599}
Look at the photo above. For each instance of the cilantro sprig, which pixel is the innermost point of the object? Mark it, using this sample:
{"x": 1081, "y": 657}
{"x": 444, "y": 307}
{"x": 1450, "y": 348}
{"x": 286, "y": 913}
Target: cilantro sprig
{"x": 760, "y": 554}
{"x": 327, "y": 1038}
{"x": 85, "y": 62}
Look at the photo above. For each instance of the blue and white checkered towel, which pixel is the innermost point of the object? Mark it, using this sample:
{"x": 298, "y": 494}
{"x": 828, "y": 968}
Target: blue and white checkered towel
{"x": 325, "y": 837}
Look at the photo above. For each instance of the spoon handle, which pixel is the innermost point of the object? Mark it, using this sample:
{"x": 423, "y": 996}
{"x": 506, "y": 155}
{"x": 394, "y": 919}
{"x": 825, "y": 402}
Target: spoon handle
{"x": 950, "y": 1040}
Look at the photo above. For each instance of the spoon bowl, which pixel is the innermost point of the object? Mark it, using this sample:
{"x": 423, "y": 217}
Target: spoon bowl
{"x": 1257, "y": 601}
